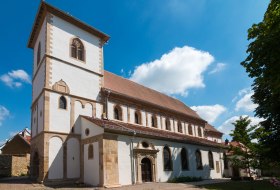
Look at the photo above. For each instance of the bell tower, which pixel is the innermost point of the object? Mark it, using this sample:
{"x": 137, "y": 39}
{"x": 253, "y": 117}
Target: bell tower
{"x": 67, "y": 79}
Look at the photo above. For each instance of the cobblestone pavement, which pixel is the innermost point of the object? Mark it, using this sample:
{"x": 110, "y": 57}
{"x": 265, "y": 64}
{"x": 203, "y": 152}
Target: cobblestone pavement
{"x": 26, "y": 184}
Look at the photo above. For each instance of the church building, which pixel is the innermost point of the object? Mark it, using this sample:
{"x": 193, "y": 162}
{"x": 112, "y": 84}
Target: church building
{"x": 92, "y": 126}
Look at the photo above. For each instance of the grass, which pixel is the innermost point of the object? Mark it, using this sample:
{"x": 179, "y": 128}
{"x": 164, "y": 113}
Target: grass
{"x": 240, "y": 185}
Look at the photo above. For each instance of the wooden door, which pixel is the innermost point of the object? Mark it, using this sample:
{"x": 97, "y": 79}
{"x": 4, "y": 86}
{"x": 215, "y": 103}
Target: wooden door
{"x": 146, "y": 170}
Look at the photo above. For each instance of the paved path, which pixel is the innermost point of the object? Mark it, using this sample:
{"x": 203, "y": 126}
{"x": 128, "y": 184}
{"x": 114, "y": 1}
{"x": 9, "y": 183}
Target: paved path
{"x": 25, "y": 183}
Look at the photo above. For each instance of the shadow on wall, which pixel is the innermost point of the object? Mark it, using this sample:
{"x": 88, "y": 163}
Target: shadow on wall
{"x": 192, "y": 171}
{"x": 63, "y": 160}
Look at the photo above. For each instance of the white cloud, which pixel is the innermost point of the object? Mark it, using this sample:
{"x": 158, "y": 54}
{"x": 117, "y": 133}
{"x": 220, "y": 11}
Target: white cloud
{"x": 209, "y": 112}
{"x": 15, "y": 78}
{"x": 218, "y": 68}
{"x": 227, "y": 126}
{"x": 245, "y": 103}
{"x": 4, "y": 113}
{"x": 175, "y": 72}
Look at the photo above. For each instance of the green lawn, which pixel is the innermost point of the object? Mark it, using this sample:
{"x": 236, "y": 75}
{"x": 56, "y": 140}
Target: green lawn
{"x": 243, "y": 185}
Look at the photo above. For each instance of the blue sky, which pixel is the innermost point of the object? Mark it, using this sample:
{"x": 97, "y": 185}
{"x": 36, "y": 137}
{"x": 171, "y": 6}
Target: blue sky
{"x": 189, "y": 49}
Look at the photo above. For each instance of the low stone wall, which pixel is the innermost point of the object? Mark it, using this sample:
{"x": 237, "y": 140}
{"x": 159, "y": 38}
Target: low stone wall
{"x": 14, "y": 165}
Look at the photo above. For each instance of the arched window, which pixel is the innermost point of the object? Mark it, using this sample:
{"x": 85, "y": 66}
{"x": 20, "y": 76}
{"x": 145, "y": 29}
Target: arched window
{"x": 225, "y": 161}
{"x": 199, "y": 131}
{"x": 180, "y": 129}
{"x": 184, "y": 159}
{"x": 167, "y": 159}
{"x": 77, "y": 49}
{"x": 62, "y": 103}
{"x": 167, "y": 124}
{"x": 118, "y": 112}
{"x": 137, "y": 117}
{"x": 198, "y": 160}
{"x": 190, "y": 129}
{"x": 154, "y": 121}
{"x": 90, "y": 152}
{"x": 39, "y": 53}
{"x": 211, "y": 161}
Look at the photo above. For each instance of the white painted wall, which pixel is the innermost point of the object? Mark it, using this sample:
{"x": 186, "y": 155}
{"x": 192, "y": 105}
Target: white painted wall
{"x": 79, "y": 110}
{"x": 98, "y": 110}
{"x": 73, "y": 158}
{"x": 85, "y": 85}
{"x": 62, "y": 33}
{"x": 93, "y": 129}
{"x": 59, "y": 118}
{"x": 163, "y": 176}
{"x": 91, "y": 166}
{"x": 38, "y": 82}
{"x": 55, "y": 158}
{"x": 42, "y": 39}
{"x": 41, "y": 114}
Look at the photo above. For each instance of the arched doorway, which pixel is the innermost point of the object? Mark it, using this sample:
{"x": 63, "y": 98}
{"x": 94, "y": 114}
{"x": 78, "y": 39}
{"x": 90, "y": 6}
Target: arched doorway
{"x": 35, "y": 172}
{"x": 146, "y": 169}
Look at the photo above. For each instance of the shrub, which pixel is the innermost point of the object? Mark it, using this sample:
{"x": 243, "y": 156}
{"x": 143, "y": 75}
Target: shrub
{"x": 182, "y": 179}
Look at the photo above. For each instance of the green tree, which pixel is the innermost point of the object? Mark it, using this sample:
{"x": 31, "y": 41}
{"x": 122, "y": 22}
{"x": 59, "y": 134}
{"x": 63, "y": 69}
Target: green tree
{"x": 263, "y": 65}
{"x": 241, "y": 130}
{"x": 244, "y": 151}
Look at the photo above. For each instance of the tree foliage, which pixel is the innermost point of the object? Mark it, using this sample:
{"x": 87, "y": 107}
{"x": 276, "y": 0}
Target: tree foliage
{"x": 245, "y": 152}
{"x": 263, "y": 65}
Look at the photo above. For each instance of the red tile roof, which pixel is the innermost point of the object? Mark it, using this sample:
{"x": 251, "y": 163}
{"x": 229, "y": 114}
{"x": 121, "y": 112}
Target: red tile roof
{"x": 122, "y": 86}
{"x": 209, "y": 127}
{"x": 130, "y": 129}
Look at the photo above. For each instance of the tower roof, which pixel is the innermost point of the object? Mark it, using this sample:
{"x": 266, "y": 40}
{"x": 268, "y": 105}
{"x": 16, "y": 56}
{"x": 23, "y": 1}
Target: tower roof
{"x": 47, "y": 8}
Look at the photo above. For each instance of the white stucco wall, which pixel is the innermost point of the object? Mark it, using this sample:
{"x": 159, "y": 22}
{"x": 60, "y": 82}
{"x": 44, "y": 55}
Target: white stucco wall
{"x": 55, "y": 158}
{"x": 59, "y": 118}
{"x": 40, "y": 114}
{"x": 79, "y": 110}
{"x": 73, "y": 158}
{"x": 38, "y": 82}
{"x": 86, "y": 85}
{"x": 62, "y": 33}
{"x": 91, "y": 166}
{"x": 162, "y": 176}
{"x": 98, "y": 110}
{"x": 93, "y": 129}
{"x": 42, "y": 40}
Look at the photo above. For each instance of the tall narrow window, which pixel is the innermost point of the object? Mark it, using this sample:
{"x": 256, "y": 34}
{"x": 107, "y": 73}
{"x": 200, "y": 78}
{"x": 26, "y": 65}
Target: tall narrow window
{"x": 198, "y": 160}
{"x": 167, "y": 159}
{"x": 180, "y": 129}
{"x": 39, "y": 53}
{"x": 137, "y": 117}
{"x": 199, "y": 131}
{"x": 77, "y": 49}
{"x": 190, "y": 129}
{"x": 211, "y": 161}
{"x": 90, "y": 152}
{"x": 184, "y": 159}
{"x": 167, "y": 124}
{"x": 154, "y": 121}
{"x": 117, "y": 112}
{"x": 62, "y": 102}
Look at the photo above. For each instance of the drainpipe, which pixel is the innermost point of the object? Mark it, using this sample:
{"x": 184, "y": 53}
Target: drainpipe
{"x": 132, "y": 159}
{"x": 106, "y": 103}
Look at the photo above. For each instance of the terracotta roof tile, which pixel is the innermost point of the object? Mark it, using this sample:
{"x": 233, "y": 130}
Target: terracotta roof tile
{"x": 209, "y": 127}
{"x": 129, "y": 88}
{"x": 120, "y": 127}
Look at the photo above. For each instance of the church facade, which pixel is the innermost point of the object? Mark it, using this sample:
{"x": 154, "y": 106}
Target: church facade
{"x": 92, "y": 126}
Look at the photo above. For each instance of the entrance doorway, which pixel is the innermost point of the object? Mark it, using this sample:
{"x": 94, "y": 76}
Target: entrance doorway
{"x": 146, "y": 169}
